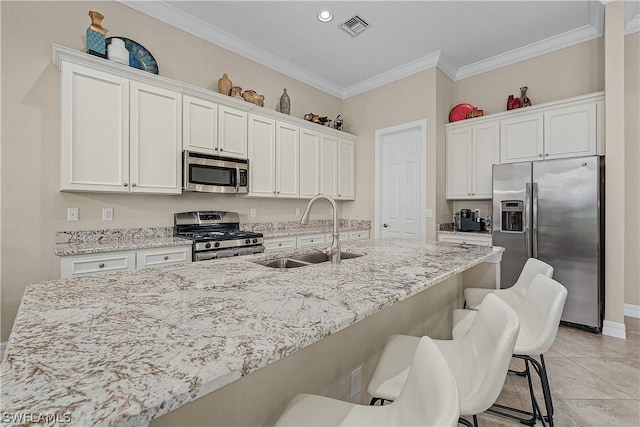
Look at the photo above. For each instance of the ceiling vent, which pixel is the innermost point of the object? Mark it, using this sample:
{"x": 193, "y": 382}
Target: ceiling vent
{"x": 355, "y": 26}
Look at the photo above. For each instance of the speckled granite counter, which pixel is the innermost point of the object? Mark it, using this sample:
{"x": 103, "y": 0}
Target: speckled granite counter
{"x": 125, "y": 348}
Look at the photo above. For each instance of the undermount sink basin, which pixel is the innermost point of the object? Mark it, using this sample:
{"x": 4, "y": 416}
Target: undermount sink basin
{"x": 302, "y": 260}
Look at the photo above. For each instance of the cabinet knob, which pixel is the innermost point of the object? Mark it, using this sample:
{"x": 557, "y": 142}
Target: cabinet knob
{"x": 222, "y": 149}
{"x": 101, "y": 265}
{"x": 540, "y": 155}
{"x": 216, "y": 148}
{"x": 473, "y": 194}
{"x": 125, "y": 184}
{"x": 468, "y": 194}
{"x": 279, "y": 244}
{"x": 134, "y": 185}
{"x": 546, "y": 154}
{"x": 166, "y": 257}
{"x": 277, "y": 192}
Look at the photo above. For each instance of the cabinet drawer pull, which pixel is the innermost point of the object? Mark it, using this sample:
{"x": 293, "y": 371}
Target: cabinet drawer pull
{"x": 222, "y": 149}
{"x": 134, "y": 185}
{"x": 279, "y": 244}
{"x": 101, "y": 265}
{"x": 540, "y": 155}
{"x": 125, "y": 184}
{"x": 546, "y": 154}
{"x": 166, "y": 257}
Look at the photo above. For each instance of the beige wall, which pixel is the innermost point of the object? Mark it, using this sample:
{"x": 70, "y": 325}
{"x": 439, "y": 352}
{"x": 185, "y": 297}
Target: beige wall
{"x": 576, "y": 70}
{"x": 33, "y": 209}
{"x": 632, "y": 169}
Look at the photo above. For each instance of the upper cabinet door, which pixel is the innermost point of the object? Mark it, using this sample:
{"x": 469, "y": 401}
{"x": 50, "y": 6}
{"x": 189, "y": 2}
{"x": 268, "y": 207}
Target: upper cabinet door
{"x": 94, "y": 130}
{"x": 570, "y": 131}
{"x": 328, "y": 165}
{"x": 521, "y": 138}
{"x": 346, "y": 170}
{"x": 262, "y": 155}
{"x": 458, "y": 154}
{"x": 200, "y": 125}
{"x": 309, "y": 163}
{"x": 485, "y": 153}
{"x": 287, "y": 160}
{"x": 155, "y": 140}
{"x": 232, "y": 132}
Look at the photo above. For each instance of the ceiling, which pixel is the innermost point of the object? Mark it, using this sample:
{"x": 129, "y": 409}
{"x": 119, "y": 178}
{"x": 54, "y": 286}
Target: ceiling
{"x": 462, "y": 38}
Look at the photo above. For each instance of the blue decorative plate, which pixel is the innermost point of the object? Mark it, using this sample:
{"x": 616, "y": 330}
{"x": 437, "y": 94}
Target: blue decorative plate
{"x": 139, "y": 56}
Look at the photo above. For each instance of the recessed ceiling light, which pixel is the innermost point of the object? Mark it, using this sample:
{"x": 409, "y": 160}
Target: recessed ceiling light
{"x": 325, "y": 16}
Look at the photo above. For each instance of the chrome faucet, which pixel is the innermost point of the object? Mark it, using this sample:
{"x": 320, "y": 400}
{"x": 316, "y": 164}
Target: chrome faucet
{"x": 334, "y": 250}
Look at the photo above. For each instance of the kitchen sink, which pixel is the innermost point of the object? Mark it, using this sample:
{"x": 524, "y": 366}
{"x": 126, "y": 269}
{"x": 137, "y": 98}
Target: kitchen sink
{"x": 302, "y": 260}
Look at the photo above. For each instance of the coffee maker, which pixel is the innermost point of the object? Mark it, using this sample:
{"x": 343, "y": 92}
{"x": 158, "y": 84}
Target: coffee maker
{"x": 469, "y": 221}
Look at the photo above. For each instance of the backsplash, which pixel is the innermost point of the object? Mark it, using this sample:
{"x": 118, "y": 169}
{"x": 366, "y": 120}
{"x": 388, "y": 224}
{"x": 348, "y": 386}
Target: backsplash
{"x": 126, "y": 234}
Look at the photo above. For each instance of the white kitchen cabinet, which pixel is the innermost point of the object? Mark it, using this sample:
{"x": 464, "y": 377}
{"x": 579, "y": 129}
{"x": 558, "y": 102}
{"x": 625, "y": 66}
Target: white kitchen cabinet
{"x": 262, "y": 155}
{"x": 232, "y": 132}
{"x": 469, "y": 239}
{"x": 118, "y": 135}
{"x": 471, "y": 152}
{"x": 309, "y": 240}
{"x": 112, "y": 262}
{"x": 346, "y": 170}
{"x": 522, "y": 138}
{"x": 157, "y": 257}
{"x": 568, "y": 128}
{"x": 200, "y": 125}
{"x": 276, "y": 243}
{"x": 328, "y": 165}
{"x": 570, "y": 131}
{"x": 309, "y": 163}
{"x": 155, "y": 140}
{"x": 274, "y": 150}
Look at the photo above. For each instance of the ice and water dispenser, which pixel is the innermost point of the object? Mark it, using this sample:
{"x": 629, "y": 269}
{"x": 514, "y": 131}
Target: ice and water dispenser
{"x": 512, "y": 215}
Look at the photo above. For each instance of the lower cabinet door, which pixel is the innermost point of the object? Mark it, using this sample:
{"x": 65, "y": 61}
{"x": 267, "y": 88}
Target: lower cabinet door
{"x": 93, "y": 264}
{"x": 279, "y": 243}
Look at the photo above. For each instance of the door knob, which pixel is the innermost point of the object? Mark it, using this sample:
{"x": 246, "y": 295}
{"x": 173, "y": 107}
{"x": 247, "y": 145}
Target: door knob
{"x": 385, "y": 225}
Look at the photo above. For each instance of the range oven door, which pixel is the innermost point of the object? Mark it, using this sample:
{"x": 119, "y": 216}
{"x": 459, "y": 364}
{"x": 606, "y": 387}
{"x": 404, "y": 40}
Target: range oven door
{"x": 213, "y": 174}
{"x": 225, "y": 253}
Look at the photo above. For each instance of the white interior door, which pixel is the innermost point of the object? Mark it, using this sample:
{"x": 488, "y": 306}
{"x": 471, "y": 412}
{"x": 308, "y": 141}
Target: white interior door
{"x": 401, "y": 181}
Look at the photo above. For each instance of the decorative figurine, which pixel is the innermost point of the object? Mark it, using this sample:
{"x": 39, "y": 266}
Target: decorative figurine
{"x": 96, "y": 44}
{"x": 236, "y": 92}
{"x": 337, "y": 124}
{"x": 224, "y": 85}
{"x": 253, "y": 97}
{"x": 316, "y": 118}
{"x": 285, "y": 103}
{"x": 524, "y": 100}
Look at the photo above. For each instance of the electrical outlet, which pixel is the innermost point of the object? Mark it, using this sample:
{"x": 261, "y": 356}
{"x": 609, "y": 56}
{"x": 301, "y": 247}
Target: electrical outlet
{"x": 253, "y": 212}
{"x": 107, "y": 214}
{"x": 429, "y": 213}
{"x": 356, "y": 381}
{"x": 73, "y": 214}
{"x": 297, "y": 211}
{"x": 477, "y": 211}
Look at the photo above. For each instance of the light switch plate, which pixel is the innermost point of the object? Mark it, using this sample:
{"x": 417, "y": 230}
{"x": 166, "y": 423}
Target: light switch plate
{"x": 73, "y": 214}
{"x": 429, "y": 213}
{"x": 253, "y": 212}
{"x": 107, "y": 214}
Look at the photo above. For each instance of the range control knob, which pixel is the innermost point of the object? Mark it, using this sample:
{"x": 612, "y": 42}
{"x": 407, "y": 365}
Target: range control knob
{"x": 216, "y": 244}
{"x": 208, "y": 245}
{"x": 247, "y": 241}
{"x": 255, "y": 240}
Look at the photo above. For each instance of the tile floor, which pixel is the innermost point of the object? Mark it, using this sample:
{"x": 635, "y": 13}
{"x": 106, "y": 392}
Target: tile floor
{"x": 594, "y": 380}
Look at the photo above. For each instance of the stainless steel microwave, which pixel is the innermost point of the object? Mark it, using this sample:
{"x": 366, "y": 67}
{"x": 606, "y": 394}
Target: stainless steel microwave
{"x": 214, "y": 174}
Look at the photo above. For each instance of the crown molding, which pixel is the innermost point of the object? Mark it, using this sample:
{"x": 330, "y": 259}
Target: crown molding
{"x": 392, "y": 75}
{"x": 552, "y": 44}
{"x": 166, "y": 13}
{"x": 447, "y": 68}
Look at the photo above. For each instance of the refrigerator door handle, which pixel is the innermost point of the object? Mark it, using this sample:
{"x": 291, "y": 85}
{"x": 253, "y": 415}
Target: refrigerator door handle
{"x": 525, "y": 220}
{"x": 534, "y": 221}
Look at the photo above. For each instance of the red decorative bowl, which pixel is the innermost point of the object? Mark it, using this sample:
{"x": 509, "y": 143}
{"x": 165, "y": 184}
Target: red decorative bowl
{"x": 459, "y": 112}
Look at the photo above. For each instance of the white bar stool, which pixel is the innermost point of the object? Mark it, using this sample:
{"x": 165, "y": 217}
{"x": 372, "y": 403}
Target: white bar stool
{"x": 513, "y": 295}
{"x": 539, "y": 315}
{"x": 480, "y": 359}
{"x": 429, "y": 398}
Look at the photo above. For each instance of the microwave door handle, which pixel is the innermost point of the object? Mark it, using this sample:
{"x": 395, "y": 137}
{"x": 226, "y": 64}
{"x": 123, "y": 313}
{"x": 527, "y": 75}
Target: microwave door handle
{"x": 525, "y": 220}
{"x": 237, "y": 178}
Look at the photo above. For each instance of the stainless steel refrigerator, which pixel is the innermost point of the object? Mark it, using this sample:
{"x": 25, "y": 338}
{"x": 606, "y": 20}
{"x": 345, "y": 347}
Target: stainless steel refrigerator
{"x": 553, "y": 210}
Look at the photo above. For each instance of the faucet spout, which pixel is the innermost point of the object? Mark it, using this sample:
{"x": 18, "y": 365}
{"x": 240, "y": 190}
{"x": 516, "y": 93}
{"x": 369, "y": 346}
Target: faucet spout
{"x": 334, "y": 249}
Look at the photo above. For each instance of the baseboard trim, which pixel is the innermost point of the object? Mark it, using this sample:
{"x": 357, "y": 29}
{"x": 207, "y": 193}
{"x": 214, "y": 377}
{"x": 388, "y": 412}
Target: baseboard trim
{"x": 614, "y": 329}
{"x": 632, "y": 310}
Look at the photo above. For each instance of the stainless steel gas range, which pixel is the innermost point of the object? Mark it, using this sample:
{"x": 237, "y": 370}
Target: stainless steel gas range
{"x": 216, "y": 234}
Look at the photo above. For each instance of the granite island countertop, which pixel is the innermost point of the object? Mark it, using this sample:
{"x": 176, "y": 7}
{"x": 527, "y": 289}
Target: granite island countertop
{"x": 125, "y": 348}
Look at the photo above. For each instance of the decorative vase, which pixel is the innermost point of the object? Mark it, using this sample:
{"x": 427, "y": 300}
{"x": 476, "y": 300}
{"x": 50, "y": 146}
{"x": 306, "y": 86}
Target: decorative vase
{"x": 117, "y": 52}
{"x": 225, "y": 85}
{"x": 96, "y": 44}
{"x": 285, "y": 103}
{"x": 524, "y": 101}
